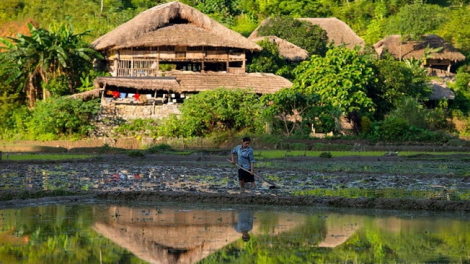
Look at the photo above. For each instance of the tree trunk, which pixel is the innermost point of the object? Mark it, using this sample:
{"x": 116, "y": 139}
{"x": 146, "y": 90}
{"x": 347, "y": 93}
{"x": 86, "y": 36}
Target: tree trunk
{"x": 32, "y": 93}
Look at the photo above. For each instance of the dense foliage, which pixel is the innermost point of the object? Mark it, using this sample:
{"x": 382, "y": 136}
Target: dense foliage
{"x": 310, "y": 37}
{"x": 54, "y": 61}
{"x": 341, "y": 80}
{"x": 215, "y": 111}
{"x": 57, "y": 117}
{"x": 46, "y": 63}
{"x": 269, "y": 60}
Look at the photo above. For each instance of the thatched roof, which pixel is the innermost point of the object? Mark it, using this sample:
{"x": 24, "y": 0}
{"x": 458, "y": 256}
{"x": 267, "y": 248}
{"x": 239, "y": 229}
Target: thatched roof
{"x": 138, "y": 83}
{"x": 172, "y": 24}
{"x": 92, "y": 94}
{"x": 402, "y": 49}
{"x": 179, "y": 81}
{"x": 338, "y": 32}
{"x": 287, "y": 50}
{"x": 440, "y": 91}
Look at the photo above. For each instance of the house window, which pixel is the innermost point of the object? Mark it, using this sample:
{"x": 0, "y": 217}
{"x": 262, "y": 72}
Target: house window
{"x": 136, "y": 68}
{"x": 167, "y": 48}
{"x": 197, "y": 48}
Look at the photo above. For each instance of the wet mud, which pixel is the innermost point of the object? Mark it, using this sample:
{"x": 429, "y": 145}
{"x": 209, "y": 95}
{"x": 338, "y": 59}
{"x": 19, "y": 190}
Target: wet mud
{"x": 210, "y": 180}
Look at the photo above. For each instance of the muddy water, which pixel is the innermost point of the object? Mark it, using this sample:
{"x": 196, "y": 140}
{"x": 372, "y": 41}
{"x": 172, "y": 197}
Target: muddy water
{"x": 180, "y": 233}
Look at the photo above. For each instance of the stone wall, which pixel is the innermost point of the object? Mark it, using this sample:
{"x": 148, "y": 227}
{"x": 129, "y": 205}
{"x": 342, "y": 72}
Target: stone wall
{"x": 114, "y": 115}
{"x": 134, "y": 111}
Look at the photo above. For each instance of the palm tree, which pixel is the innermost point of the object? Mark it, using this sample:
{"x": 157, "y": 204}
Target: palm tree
{"x": 47, "y": 62}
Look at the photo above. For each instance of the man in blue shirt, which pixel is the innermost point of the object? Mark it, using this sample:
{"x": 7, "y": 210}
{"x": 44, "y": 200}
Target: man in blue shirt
{"x": 245, "y": 160}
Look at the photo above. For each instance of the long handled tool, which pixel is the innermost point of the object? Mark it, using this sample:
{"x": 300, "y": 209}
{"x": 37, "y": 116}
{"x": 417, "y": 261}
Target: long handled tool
{"x": 273, "y": 185}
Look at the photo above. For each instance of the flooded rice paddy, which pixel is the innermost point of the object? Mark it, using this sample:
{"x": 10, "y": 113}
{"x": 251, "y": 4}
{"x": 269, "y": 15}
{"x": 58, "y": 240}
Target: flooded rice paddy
{"x": 204, "y": 221}
{"x": 91, "y": 232}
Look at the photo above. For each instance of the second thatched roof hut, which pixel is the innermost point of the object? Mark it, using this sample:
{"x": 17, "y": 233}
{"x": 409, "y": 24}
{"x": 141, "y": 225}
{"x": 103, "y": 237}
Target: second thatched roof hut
{"x": 403, "y": 49}
{"x": 287, "y": 50}
{"x": 339, "y": 33}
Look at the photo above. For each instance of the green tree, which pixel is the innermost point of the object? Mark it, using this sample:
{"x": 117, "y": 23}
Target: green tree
{"x": 47, "y": 62}
{"x": 302, "y": 33}
{"x": 9, "y": 8}
{"x": 284, "y": 108}
{"x": 461, "y": 87}
{"x": 396, "y": 80}
{"x": 269, "y": 60}
{"x": 456, "y": 29}
{"x": 416, "y": 20}
{"x": 341, "y": 80}
{"x": 59, "y": 116}
{"x": 214, "y": 111}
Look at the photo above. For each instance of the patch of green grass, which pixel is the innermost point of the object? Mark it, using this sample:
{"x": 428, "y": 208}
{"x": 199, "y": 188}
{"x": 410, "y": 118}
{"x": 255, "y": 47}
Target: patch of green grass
{"x": 277, "y": 154}
{"x": 135, "y": 153}
{"x": 160, "y": 148}
{"x": 34, "y": 194}
{"x": 34, "y": 156}
{"x": 388, "y": 193}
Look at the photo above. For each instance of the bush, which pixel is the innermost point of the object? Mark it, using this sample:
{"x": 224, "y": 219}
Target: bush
{"x": 325, "y": 155}
{"x": 366, "y": 125}
{"x": 138, "y": 128}
{"x": 398, "y": 129}
{"x": 410, "y": 111}
{"x": 160, "y": 148}
{"x": 135, "y": 153}
{"x": 58, "y": 117}
{"x": 213, "y": 112}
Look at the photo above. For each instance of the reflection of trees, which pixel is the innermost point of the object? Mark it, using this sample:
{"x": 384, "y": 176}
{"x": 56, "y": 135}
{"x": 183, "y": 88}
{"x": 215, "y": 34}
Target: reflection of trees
{"x": 61, "y": 234}
{"x": 53, "y": 234}
{"x": 377, "y": 240}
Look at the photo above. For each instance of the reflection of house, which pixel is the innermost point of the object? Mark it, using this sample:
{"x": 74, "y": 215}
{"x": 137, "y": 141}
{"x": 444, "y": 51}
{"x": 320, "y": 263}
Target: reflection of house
{"x": 439, "y": 63}
{"x": 169, "y": 235}
{"x": 171, "y": 51}
{"x": 339, "y": 33}
{"x": 340, "y": 228}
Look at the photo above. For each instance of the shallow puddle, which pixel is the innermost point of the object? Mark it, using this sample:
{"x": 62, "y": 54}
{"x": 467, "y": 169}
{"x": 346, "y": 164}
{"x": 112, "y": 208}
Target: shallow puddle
{"x": 172, "y": 233}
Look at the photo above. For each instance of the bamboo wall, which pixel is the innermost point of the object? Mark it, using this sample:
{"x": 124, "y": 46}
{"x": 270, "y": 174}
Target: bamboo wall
{"x": 140, "y": 62}
{"x": 179, "y": 54}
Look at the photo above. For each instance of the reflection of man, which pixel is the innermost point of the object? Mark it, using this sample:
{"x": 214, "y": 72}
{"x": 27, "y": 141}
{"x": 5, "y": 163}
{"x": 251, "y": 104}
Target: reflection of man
{"x": 244, "y": 224}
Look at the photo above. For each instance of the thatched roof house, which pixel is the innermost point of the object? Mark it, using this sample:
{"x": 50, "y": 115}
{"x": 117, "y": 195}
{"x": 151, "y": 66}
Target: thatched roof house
{"x": 171, "y": 24}
{"x": 170, "y": 51}
{"x": 406, "y": 49}
{"x": 174, "y": 34}
{"x": 287, "y": 50}
{"x": 338, "y": 32}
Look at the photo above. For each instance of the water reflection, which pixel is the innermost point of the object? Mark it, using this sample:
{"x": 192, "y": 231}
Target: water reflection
{"x": 163, "y": 233}
{"x": 244, "y": 223}
{"x": 177, "y": 235}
